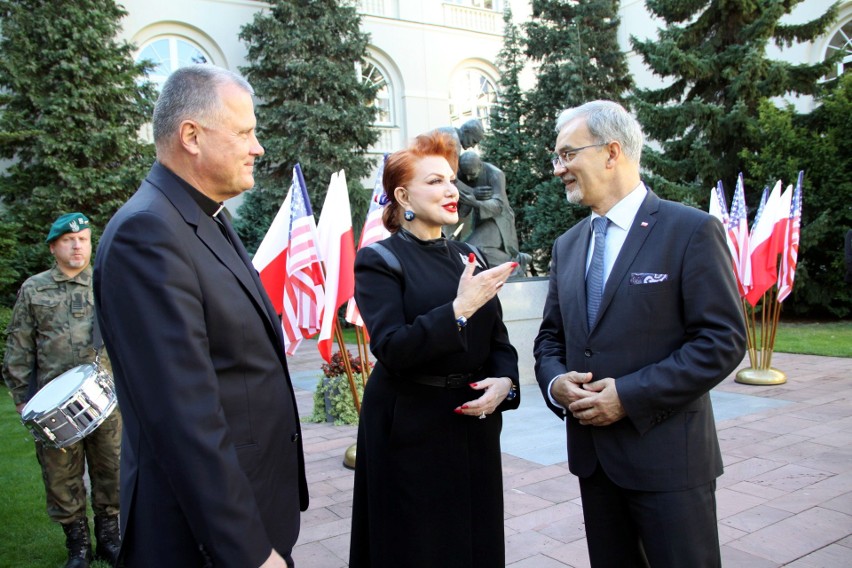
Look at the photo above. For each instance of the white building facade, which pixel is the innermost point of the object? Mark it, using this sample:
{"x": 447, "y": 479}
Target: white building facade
{"x": 434, "y": 60}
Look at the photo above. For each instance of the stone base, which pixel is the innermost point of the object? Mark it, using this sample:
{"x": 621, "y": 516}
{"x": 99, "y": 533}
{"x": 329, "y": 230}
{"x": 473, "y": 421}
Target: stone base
{"x": 523, "y": 303}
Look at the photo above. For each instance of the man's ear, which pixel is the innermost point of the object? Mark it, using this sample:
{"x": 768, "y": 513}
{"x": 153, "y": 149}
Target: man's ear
{"x": 615, "y": 152}
{"x": 189, "y": 133}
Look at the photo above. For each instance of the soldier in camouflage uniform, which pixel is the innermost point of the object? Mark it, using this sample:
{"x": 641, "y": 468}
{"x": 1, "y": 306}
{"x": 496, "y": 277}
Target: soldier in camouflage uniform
{"x": 50, "y": 333}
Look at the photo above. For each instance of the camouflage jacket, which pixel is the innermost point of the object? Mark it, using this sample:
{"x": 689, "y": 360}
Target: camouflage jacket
{"x": 50, "y": 331}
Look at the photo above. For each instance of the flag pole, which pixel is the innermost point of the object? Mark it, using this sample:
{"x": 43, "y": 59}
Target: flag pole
{"x": 750, "y": 331}
{"x": 347, "y": 364}
{"x": 363, "y": 353}
{"x": 775, "y": 321}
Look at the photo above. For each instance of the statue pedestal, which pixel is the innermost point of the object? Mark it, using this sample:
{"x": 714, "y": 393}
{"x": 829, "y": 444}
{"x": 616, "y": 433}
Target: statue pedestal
{"x": 523, "y": 302}
{"x": 761, "y": 377}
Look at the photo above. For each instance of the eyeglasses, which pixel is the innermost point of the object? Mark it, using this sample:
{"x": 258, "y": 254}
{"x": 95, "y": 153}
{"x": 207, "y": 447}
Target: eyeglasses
{"x": 565, "y": 157}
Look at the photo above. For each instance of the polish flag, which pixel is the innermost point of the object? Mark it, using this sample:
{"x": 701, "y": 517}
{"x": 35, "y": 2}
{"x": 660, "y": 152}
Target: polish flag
{"x": 337, "y": 251}
{"x": 373, "y": 231}
{"x": 270, "y": 260}
{"x": 766, "y": 242}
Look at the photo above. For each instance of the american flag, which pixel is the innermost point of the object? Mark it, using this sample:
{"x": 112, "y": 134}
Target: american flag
{"x": 787, "y": 270}
{"x": 373, "y": 231}
{"x": 304, "y": 288}
{"x": 738, "y": 238}
{"x": 722, "y": 200}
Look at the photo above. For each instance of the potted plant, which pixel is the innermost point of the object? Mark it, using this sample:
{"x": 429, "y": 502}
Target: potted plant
{"x": 333, "y": 396}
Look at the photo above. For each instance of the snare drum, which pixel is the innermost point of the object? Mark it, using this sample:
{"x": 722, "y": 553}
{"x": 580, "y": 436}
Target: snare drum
{"x": 71, "y": 406}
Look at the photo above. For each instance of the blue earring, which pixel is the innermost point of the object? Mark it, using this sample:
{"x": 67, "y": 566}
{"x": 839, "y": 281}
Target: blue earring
{"x": 409, "y": 215}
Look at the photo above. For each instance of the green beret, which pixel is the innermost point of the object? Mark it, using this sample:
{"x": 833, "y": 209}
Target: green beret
{"x": 68, "y": 223}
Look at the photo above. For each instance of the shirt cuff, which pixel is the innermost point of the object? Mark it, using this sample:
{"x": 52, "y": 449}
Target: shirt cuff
{"x": 550, "y": 396}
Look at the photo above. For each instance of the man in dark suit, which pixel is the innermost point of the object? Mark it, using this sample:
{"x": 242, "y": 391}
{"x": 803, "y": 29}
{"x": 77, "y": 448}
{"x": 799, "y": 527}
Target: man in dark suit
{"x": 631, "y": 370}
{"x": 212, "y": 469}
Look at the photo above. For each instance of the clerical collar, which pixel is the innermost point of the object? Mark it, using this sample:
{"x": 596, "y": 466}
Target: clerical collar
{"x": 207, "y": 205}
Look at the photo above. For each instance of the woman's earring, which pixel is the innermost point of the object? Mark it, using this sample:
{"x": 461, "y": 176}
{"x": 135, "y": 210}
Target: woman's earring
{"x": 409, "y": 215}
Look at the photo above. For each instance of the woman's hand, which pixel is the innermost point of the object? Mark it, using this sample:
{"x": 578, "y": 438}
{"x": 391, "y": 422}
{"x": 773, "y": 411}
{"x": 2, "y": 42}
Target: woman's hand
{"x": 495, "y": 391}
{"x": 476, "y": 289}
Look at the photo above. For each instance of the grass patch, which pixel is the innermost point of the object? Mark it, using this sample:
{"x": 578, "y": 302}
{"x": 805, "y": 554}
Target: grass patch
{"x": 30, "y": 538}
{"x": 832, "y": 339}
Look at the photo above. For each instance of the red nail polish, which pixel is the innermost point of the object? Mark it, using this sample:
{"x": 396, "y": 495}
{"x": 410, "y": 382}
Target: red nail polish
{"x": 473, "y": 384}
{"x": 471, "y": 258}
{"x": 464, "y": 406}
{"x": 457, "y": 410}
{"x": 514, "y": 265}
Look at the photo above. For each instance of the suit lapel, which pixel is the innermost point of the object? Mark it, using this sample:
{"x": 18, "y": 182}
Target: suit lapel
{"x": 209, "y": 233}
{"x": 574, "y": 256}
{"x": 642, "y": 226}
{"x": 261, "y": 298}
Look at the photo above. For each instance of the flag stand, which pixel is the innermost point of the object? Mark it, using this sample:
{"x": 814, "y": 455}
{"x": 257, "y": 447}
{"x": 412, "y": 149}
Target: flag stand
{"x": 363, "y": 353}
{"x": 760, "y": 348}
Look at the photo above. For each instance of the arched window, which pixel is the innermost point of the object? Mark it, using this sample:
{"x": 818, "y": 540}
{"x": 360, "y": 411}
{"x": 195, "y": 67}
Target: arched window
{"x": 170, "y": 53}
{"x": 472, "y": 94}
{"x": 373, "y": 74}
{"x": 842, "y": 41}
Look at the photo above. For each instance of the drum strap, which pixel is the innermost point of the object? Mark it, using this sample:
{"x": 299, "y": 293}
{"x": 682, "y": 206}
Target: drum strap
{"x": 97, "y": 339}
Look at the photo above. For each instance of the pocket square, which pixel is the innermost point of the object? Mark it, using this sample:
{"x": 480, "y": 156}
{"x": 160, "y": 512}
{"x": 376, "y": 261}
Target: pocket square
{"x": 647, "y": 278}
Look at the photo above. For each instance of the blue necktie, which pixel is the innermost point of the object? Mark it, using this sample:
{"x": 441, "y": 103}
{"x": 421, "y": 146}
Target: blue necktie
{"x": 595, "y": 276}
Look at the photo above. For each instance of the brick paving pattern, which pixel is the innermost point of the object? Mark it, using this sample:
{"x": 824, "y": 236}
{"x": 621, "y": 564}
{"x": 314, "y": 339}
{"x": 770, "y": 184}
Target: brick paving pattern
{"x": 785, "y": 498}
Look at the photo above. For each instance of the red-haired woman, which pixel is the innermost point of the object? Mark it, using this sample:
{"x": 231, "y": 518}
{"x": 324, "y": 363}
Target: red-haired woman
{"x": 428, "y": 477}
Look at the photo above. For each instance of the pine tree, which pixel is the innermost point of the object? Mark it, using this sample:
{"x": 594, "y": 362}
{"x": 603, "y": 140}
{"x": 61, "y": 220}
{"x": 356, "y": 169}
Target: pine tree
{"x": 506, "y": 145}
{"x": 71, "y": 106}
{"x": 819, "y": 144}
{"x": 314, "y": 109}
{"x": 713, "y": 57}
{"x": 574, "y": 45}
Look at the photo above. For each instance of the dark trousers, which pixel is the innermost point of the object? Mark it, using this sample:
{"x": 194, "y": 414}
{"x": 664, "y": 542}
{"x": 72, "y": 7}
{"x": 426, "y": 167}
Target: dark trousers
{"x": 657, "y": 529}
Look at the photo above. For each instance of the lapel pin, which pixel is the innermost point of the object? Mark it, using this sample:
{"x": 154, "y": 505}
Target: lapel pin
{"x": 644, "y": 223}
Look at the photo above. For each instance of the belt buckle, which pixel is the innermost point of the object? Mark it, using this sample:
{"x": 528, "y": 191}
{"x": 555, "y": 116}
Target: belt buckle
{"x": 456, "y": 380}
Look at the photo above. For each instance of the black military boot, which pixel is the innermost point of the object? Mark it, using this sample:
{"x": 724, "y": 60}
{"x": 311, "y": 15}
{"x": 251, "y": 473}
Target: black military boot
{"x": 78, "y": 544}
{"x": 109, "y": 540}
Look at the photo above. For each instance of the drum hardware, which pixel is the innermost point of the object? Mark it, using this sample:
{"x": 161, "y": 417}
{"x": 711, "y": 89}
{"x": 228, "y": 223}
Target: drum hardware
{"x": 71, "y": 406}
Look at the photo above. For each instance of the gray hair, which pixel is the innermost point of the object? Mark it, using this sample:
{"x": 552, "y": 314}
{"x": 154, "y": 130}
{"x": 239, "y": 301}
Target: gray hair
{"x": 608, "y": 121}
{"x": 191, "y": 92}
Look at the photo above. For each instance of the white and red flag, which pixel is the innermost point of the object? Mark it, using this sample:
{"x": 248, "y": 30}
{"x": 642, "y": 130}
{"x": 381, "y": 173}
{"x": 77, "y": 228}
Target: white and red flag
{"x": 289, "y": 266}
{"x": 738, "y": 238}
{"x": 789, "y": 256}
{"x": 373, "y": 231}
{"x": 337, "y": 251}
{"x": 766, "y": 242}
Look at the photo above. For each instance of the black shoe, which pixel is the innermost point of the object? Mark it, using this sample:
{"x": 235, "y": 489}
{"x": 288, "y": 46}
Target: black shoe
{"x": 78, "y": 544}
{"x": 109, "y": 539}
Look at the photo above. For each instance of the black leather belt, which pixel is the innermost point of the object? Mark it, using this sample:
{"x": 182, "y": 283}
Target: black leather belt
{"x": 453, "y": 381}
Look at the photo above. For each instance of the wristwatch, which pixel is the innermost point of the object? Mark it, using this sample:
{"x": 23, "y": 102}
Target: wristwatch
{"x": 461, "y": 321}
{"x": 513, "y": 392}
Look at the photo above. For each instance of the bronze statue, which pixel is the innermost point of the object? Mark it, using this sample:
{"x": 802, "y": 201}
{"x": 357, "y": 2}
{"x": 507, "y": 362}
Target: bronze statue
{"x": 485, "y": 205}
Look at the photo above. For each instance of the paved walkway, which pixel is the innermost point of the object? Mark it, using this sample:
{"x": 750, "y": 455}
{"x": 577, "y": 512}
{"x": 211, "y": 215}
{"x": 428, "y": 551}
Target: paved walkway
{"x": 785, "y": 498}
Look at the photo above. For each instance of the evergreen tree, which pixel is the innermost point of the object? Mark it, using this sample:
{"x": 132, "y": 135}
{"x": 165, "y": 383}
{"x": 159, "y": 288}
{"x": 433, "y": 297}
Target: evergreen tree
{"x": 506, "y": 145}
{"x": 819, "y": 144}
{"x": 713, "y": 56}
{"x": 314, "y": 108}
{"x": 71, "y": 106}
{"x": 574, "y": 45}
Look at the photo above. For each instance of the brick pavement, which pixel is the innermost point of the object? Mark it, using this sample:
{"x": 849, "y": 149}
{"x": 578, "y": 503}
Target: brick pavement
{"x": 785, "y": 498}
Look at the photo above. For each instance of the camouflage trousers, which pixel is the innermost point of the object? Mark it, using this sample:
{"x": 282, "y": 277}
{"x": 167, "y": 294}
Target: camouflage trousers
{"x": 63, "y": 472}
